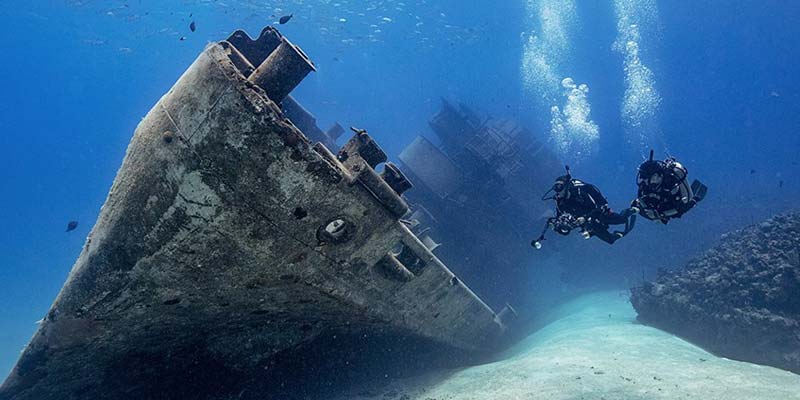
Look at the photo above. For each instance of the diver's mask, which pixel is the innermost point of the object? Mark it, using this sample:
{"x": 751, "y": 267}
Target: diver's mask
{"x": 559, "y": 188}
{"x": 650, "y": 174}
{"x": 655, "y": 181}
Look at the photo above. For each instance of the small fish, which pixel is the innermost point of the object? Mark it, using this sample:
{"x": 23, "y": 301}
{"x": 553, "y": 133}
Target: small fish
{"x": 752, "y": 171}
{"x": 182, "y": 38}
{"x": 72, "y": 225}
{"x": 192, "y": 27}
{"x": 95, "y": 42}
{"x": 284, "y": 19}
{"x": 780, "y": 184}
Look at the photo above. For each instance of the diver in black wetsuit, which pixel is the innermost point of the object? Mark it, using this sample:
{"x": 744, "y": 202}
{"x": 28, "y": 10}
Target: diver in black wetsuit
{"x": 581, "y": 205}
{"x": 664, "y": 192}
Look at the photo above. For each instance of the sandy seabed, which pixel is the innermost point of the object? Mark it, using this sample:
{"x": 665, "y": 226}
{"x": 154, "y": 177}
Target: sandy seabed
{"x": 596, "y": 350}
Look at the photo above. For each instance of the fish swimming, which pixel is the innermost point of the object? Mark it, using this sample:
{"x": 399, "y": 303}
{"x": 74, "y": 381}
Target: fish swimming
{"x": 284, "y": 19}
{"x": 192, "y": 26}
{"x": 71, "y": 226}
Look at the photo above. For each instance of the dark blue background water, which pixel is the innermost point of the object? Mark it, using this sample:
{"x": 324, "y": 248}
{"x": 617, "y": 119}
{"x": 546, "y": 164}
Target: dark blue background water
{"x": 77, "y": 76}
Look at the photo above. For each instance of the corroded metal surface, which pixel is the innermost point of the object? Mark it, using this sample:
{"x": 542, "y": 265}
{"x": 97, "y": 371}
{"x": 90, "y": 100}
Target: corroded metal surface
{"x": 226, "y": 239}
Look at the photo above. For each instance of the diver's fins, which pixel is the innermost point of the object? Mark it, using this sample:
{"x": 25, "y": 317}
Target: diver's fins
{"x": 696, "y": 186}
{"x": 700, "y": 190}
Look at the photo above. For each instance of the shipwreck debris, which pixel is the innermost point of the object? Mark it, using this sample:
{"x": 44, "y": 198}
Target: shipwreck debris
{"x": 475, "y": 192}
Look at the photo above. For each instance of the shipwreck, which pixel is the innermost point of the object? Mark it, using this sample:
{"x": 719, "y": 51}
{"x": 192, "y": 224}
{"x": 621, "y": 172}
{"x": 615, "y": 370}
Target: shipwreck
{"x": 235, "y": 231}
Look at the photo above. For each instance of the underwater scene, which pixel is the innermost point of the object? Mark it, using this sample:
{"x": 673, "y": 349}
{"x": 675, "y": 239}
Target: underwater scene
{"x": 400, "y": 199}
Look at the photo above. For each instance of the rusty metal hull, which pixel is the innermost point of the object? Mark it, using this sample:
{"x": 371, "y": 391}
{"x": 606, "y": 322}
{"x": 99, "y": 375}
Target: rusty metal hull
{"x": 228, "y": 238}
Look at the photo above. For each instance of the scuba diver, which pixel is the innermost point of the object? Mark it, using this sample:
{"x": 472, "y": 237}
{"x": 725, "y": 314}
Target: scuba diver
{"x": 663, "y": 190}
{"x": 581, "y": 205}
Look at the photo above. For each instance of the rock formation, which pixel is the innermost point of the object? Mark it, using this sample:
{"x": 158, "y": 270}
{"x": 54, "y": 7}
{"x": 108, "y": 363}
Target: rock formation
{"x": 740, "y": 300}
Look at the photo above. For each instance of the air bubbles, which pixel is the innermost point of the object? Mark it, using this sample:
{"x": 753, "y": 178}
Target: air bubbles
{"x": 571, "y": 127}
{"x": 548, "y": 45}
{"x": 544, "y": 60}
{"x": 641, "y": 100}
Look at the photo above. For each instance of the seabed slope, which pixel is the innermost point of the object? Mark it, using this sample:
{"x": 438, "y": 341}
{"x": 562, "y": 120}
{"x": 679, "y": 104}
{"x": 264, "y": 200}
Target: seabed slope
{"x": 595, "y": 349}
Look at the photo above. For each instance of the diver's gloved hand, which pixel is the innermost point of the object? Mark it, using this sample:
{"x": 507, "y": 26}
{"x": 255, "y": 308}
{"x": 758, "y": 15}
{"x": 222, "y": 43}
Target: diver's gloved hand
{"x": 630, "y": 211}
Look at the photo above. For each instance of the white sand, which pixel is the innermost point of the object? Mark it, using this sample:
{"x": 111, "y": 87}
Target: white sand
{"x": 596, "y": 350}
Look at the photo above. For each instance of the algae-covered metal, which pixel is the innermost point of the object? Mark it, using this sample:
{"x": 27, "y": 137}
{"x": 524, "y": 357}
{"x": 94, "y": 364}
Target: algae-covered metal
{"x": 227, "y": 238}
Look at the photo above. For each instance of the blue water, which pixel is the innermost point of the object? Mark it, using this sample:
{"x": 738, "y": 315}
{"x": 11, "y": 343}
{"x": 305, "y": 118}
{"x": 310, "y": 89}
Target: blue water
{"x": 714, "y": 83}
